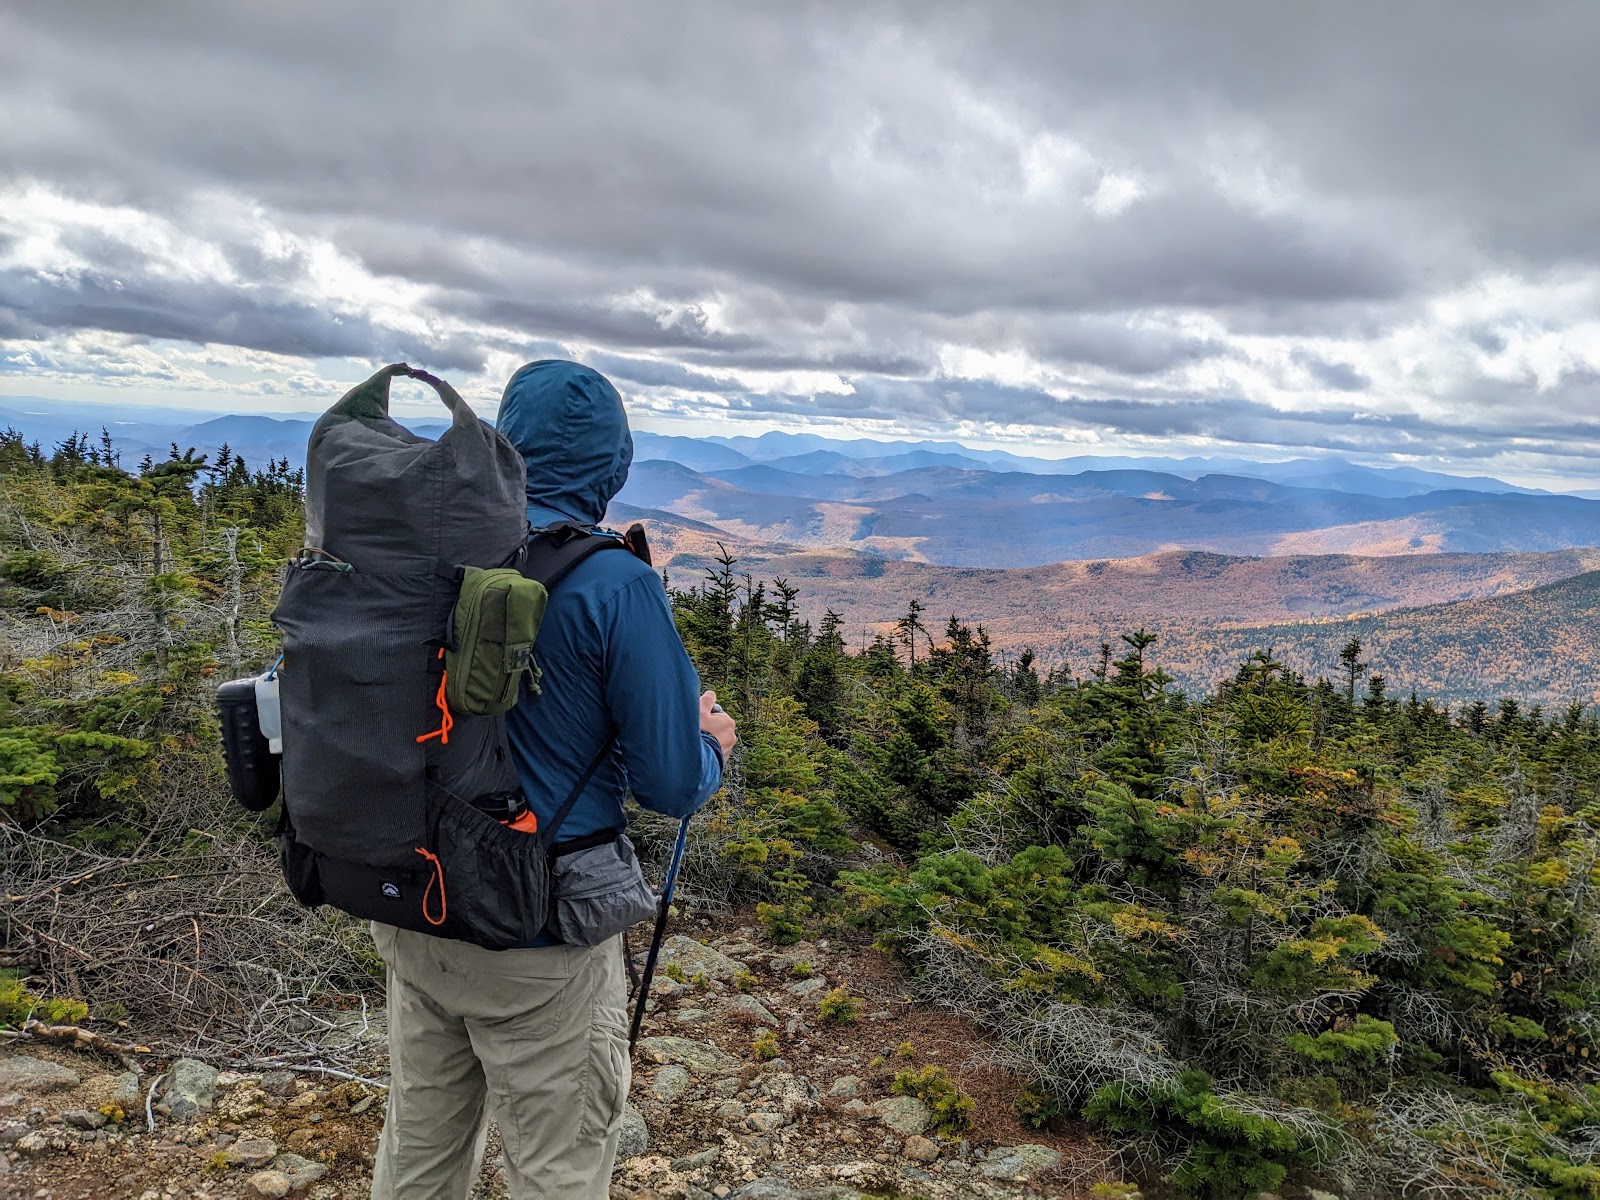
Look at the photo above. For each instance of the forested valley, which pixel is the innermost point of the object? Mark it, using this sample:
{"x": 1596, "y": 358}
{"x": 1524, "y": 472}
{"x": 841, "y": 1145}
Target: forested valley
{"x": 1297, "y": 927}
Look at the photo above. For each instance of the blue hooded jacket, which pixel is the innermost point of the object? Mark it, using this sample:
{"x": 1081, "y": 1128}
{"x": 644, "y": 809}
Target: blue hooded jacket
{"x": 610, "y": 653}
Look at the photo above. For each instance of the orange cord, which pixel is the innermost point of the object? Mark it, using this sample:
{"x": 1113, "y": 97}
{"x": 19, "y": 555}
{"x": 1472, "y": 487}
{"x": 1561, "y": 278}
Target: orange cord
{"x": 446, "y": 721}
{"x": 438, "y": 877}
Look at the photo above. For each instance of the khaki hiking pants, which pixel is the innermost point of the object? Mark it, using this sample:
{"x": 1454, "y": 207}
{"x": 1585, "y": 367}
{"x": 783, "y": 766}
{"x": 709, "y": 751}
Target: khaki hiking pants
{"x": 536, "y": 1039}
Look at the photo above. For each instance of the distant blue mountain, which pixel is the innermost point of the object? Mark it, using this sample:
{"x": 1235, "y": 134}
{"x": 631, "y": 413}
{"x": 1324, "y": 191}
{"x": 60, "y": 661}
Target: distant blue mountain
{"x": 698, "y": 454}
{"x": 1338, "y": 475}
{"x": 991, "y": 518}
{"x": 813, "y": 454}
{"x": 949, "y": 503}
{"x": 143, "y": 429}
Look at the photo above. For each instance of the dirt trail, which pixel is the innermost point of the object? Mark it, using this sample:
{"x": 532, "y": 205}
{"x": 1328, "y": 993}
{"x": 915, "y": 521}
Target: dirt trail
{"x": 743, "y": 1087}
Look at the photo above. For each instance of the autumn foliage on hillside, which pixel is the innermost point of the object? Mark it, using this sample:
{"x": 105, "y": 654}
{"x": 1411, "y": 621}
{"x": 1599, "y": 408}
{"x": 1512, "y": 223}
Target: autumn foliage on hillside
{"x": 1291, "y": 927}
{"x": 1451, "y": 626}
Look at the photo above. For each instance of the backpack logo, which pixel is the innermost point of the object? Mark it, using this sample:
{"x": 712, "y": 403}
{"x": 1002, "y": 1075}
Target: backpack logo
{"x": 391, "y": 890}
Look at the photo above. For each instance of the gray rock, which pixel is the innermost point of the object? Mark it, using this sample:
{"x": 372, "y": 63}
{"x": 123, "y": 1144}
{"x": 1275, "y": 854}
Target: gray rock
{"x": 12, "y": 1132}
{"x": 774, "y": 1188}
{"x": 806, "y": 987}
{"x": 635, "y": 1138}
{"x": 39, "y": 1142}
{"x": 268, "y": 1185}
{"x": 24, "y": 1073}
{"x": 791, "y": 1094}
{"x": 190, "y": 1089}
{"x": 277, "y": 1083}
{"x": 904, "y": 1114}
{"x": 696, "y": 959}
{"x": 301, "y": 1172}
{"x": 920, "y": 1149}
{"x": 766, "y": 1122}
{"x": 670, "y": 1083}
{"x": 128, "y": 1093}
{"x": 1018, "y": 1162}
{"x": 697, "y": 1056}
{"x": 83, "y": 1118}
{"x": 800, "y": 952}
{"x": 731, "y": 1110}
{"x": 698, "y": 1160}
{"x": 846, "y": 1087}
{"x": 748, "y": 1008}
{"x": 250, "y": 1152}
{"x": 691, "y": 1016}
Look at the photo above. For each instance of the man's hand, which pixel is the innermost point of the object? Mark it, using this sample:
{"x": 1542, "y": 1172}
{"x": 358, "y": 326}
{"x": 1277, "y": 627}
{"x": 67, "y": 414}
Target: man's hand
{"x": 718, "y": 724}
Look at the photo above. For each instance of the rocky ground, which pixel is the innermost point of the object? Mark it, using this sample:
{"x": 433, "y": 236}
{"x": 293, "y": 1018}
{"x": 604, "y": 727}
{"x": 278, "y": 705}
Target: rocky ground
{"x": 744, "y": 1087}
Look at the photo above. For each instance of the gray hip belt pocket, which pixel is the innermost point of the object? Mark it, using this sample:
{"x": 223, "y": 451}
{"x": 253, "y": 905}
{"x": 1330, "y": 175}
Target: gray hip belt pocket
{"x": 598, "y": 892}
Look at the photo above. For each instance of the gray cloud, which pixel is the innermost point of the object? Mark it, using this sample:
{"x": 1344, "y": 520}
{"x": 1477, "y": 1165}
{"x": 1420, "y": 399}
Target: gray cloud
{"x": 1341, "y": 377}
{"x": 1231, "y": 422}
{"x": 649, "y": 372}
{"x": 201, "y": 311}
{"x": 710, "y": 146}
{"x": 1132, "y": 197}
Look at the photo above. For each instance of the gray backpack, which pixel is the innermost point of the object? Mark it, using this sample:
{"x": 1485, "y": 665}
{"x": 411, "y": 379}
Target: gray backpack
{"x": 390, "y": 796}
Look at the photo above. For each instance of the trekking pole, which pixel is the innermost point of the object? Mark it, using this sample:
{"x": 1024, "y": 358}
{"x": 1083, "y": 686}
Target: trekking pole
{"x": 661, "y": 928}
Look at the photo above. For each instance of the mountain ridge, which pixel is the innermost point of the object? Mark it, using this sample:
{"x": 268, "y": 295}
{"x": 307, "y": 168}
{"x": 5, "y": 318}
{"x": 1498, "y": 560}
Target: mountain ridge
{"x": 1530, "y": 645}
{"x": 50, "y": 420}
{"x": 954, "y": 516}
{"x": 946, "y": 503}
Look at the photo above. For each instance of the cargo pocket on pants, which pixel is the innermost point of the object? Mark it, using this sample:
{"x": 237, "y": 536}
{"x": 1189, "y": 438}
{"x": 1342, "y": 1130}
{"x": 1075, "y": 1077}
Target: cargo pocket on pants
{"x": 608, "y": 1073}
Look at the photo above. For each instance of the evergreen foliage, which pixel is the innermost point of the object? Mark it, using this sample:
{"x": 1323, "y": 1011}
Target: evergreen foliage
{"x": 1293, "y": 925}
{"x": 951, "y": 1107}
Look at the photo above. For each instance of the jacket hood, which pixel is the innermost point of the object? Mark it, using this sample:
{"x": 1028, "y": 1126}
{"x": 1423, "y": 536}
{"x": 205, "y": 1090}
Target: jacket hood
{"x": 569, "y": 424}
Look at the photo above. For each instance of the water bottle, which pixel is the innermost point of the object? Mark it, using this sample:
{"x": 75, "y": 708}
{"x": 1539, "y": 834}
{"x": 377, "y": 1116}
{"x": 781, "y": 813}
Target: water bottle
{"x": 252, "y": 738}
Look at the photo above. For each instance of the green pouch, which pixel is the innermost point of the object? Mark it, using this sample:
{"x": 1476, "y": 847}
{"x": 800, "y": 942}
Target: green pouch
{"x": 493, "y": 628}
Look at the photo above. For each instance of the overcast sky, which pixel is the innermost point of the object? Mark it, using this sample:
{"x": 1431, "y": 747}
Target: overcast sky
{"x": 1245, "y": 228}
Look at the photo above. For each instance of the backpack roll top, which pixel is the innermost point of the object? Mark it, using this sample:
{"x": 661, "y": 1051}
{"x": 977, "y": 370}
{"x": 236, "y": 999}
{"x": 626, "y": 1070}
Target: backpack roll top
{"x": 389, "y": 502}
{"x": 391, "y": 738}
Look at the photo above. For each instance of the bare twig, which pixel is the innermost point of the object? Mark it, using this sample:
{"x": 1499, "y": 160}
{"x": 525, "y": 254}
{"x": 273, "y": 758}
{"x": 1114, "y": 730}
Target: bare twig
{"x": 150, "y": 1100}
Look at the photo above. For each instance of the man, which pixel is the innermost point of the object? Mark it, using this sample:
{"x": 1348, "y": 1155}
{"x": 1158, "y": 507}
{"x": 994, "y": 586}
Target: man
{"x": 537, "y": 1037}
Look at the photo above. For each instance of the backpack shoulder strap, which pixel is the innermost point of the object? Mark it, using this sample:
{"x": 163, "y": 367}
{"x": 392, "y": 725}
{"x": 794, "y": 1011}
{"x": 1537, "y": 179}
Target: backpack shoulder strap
{"x": 548, "y": 834}
{"x": 553, "y": 551}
